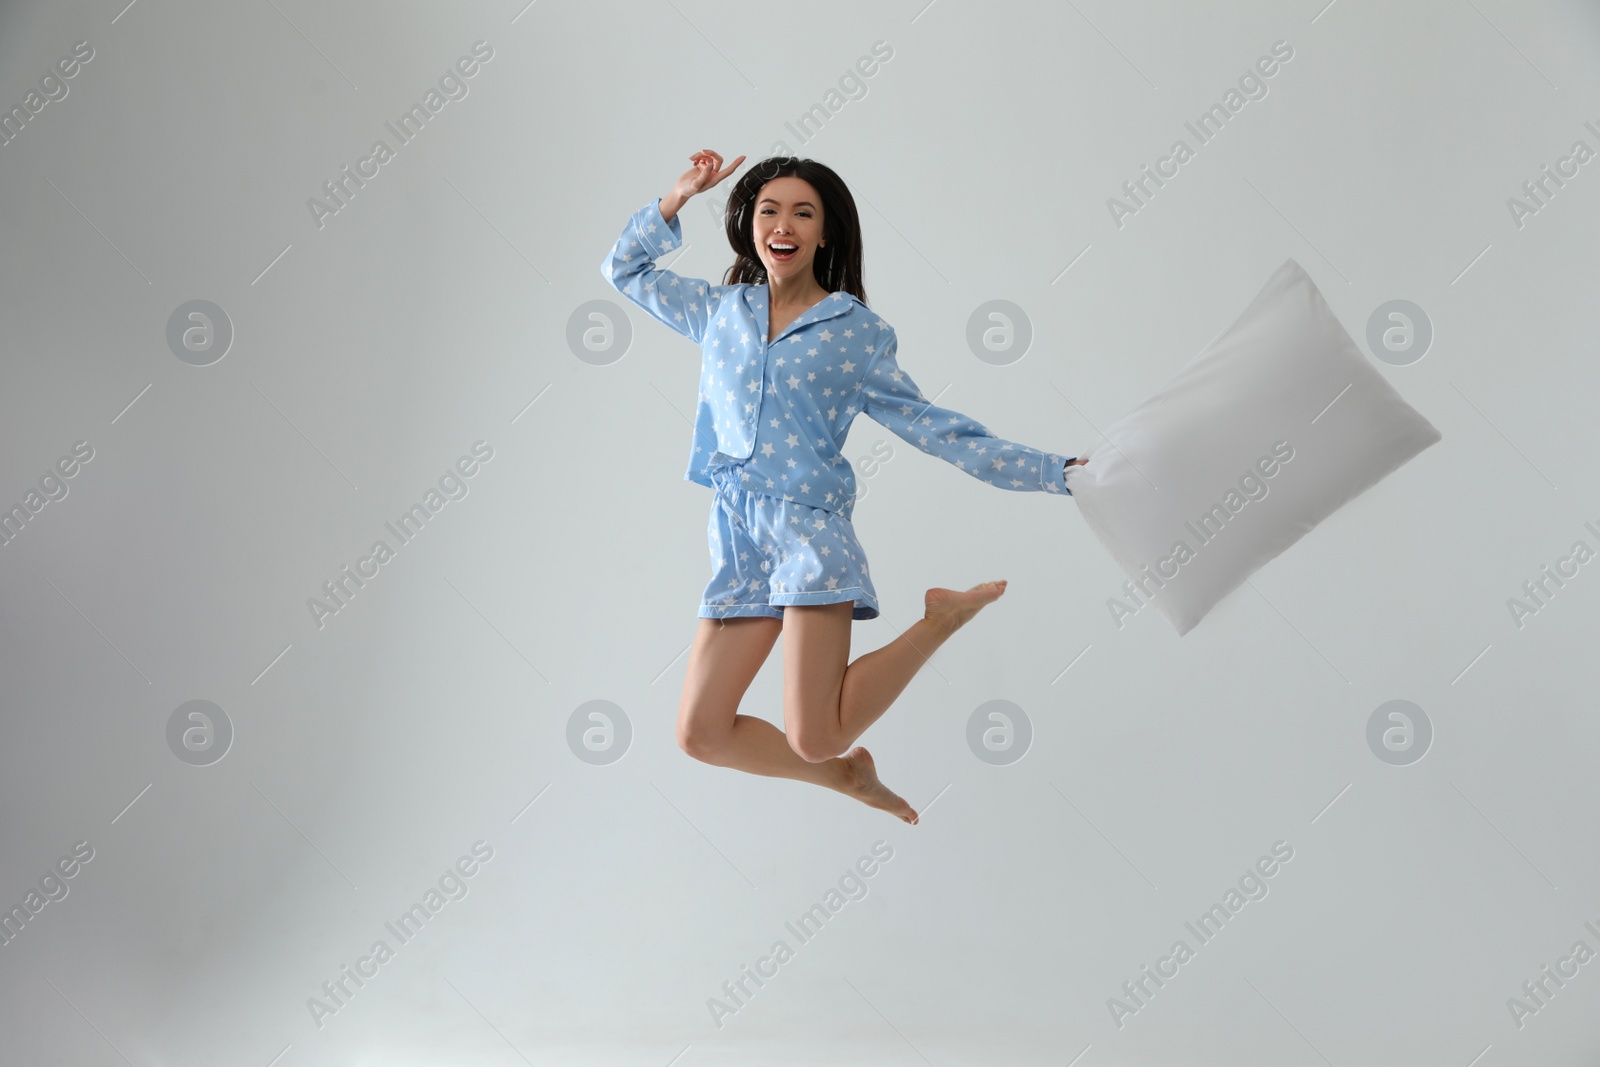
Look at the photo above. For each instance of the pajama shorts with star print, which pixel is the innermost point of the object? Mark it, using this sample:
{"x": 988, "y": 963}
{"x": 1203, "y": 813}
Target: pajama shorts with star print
{"x": 768, "y": 553}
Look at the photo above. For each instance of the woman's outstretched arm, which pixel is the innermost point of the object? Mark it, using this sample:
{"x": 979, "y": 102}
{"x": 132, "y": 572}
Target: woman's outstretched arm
{"x": 685, "y": 304}
{"x": 894, "y": 401}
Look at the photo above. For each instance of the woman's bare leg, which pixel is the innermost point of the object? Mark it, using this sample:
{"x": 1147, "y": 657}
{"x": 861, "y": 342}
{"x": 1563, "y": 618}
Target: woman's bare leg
{"x": 828, "y": 704}
{"x": 725, "y": 659}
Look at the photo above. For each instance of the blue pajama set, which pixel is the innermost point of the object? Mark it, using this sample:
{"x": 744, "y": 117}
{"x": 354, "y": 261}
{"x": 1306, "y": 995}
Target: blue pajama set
{"x": 771, "y": 421}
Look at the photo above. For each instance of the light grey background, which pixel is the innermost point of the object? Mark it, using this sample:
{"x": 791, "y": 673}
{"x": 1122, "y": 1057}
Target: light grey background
{"x": 431, "y": 712}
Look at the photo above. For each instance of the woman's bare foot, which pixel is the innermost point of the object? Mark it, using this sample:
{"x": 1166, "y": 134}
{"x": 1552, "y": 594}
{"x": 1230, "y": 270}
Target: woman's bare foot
{"x": 952, "y": 610}
{"x": 861, "y": 782}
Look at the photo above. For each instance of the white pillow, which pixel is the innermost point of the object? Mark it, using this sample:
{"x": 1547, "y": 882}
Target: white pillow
{"x": 1271, "y": 429}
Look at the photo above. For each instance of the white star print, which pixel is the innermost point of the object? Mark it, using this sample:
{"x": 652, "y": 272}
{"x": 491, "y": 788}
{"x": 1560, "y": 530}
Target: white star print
{"x": 731, "y": 324}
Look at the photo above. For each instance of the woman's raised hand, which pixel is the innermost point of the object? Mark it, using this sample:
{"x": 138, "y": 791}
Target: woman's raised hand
{"x": 706, "y": 172}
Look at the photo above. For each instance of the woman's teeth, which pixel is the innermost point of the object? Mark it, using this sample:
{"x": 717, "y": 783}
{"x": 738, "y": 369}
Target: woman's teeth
{"x": 782, "y": 252}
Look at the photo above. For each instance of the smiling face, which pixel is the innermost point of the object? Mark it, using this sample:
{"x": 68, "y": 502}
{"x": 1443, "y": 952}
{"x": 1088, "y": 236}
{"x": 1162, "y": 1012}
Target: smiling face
{"x": 788, "y": 212}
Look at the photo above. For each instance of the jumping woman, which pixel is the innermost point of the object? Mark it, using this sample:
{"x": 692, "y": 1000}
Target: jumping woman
{"x": 790, "y": 354}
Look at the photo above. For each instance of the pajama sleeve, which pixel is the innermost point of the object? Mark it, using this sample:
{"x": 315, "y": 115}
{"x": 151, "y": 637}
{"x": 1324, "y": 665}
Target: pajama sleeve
{"x": 685, "y": 304}
{"x": 893, "y": 401}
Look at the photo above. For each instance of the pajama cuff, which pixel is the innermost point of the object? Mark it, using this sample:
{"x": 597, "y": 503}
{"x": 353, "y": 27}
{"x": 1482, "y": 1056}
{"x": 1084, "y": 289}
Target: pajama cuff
{"x": 658, "y": 246}
{"x": 1054, "y": 475}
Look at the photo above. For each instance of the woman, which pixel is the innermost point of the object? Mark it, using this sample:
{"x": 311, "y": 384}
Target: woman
{"x": 790, "y": 354}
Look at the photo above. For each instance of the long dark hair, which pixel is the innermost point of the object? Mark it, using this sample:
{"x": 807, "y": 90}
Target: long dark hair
{"x": 835, "y": 267}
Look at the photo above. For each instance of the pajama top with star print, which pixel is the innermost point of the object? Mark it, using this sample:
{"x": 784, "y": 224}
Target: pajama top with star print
{"x": 779, "y": 413}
